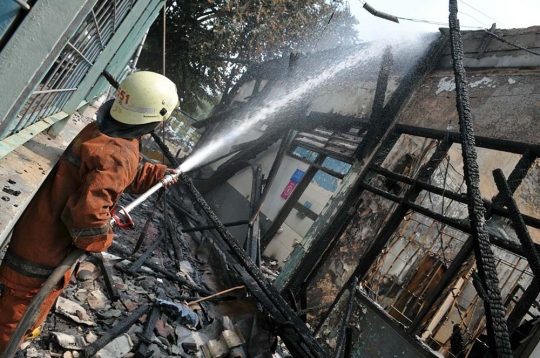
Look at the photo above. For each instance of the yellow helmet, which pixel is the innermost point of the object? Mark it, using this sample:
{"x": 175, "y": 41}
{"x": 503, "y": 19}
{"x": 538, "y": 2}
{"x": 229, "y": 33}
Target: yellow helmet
{"x": 144, "y": 97}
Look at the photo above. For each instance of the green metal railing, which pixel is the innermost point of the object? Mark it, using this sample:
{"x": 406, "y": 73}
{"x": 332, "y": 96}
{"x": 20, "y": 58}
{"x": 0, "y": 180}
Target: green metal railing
{"x": 72, "y": 65}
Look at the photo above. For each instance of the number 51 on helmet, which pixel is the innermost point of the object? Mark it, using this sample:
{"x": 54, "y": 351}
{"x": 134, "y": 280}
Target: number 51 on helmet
{"x": 144, "y": 97}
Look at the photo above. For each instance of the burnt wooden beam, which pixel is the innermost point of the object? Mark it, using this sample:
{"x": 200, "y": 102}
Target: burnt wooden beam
{"x": 461, "y": 225}
{"x": 283, "y": 147}
{"x": 319, "y": 249}
{"x": 305, "y": 211}
{"x": 342, "y": 334}
{"x": 396, "y": 218}
{"x": 461, "y": 198}
{"x": 522, "y": 306}
{"x": 485, "y": 42}
{"x": 210, "y": 227}
{"x": 519, "y": 224}
{"x": 148, "y": 330}
{"x": 115, "y": 247}
{"x": 292, "y": 330}
{"x": 238, "y": 162}
{"x": 502, "y": 145}
{"x": 497, "y": 331}
{"x": 377, "y": 127}
{"x": 253, "y": 237}
{"x": 120, "y": 328}
{"x": 106, "y": 270}
{"x": 337, "y": 136}
{"x": 137, "y": 264}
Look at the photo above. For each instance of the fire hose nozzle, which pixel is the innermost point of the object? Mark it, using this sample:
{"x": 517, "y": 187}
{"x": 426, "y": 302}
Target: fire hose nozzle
{"x": 167, "y": 179}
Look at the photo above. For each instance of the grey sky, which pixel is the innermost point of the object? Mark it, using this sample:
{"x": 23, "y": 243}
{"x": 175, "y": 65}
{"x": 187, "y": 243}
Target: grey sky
{"x": 507, "y": 13}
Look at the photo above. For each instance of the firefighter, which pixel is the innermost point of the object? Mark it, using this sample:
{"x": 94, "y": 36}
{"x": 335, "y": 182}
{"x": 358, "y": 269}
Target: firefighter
{"x": 72, "y": 207}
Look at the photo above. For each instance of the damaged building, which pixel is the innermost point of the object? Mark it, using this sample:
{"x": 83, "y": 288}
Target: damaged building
{"x": 350, "y": 212}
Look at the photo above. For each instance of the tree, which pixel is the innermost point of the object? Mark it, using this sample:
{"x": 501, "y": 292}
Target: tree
{"x": 209, "y": 43}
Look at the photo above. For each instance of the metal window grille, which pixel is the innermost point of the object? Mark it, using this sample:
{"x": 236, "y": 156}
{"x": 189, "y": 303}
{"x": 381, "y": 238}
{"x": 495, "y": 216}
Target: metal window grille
{"x": 73, "y": 63}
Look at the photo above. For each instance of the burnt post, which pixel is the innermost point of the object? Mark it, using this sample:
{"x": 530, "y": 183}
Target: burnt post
{"x": 495, "y": 312}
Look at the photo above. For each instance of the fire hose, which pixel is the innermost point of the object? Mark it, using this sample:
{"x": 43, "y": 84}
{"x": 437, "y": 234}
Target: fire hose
{"x": 120, "y": 217}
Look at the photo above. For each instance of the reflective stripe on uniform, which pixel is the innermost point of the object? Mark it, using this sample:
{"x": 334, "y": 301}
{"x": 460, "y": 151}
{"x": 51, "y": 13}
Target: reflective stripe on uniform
{"x": 89, "y": 232}
{"x": 27, "y": 268}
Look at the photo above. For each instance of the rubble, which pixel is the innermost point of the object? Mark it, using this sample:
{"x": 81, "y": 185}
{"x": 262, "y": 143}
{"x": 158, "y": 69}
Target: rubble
{"x": 73, "y": 310}
{"x": 175, "y": 305}
{"x": 119, "y": 347}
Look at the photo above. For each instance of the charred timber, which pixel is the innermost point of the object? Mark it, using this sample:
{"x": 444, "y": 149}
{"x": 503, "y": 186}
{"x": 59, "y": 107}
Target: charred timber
{"x": 253, "y": 240}
{"x": 283, "y": 146}
{"x": 296, "y": 332}
{"x": 516, "y": 177}
{"x": 106, "y": 270}
{"x": 120, "y": 328}
{"x": 147, "y": 333}
{"x": 211, "y": 227}
{"x": 519, "y": 224}
{"x": 493, "y": 207}
{"x": 238, "y": 162}
{"x": 480, "y": 141}
{"x": 405, "y": 203}
{"x": 453, "y": 223}
{"x": 522, "y": 306}
{"x": 137, "y": 264}
{"x": 495, "y": 312}
{"x": 115, "y": 247}
{"x": 342, "y": 334}
{"x": 377, "y": 127}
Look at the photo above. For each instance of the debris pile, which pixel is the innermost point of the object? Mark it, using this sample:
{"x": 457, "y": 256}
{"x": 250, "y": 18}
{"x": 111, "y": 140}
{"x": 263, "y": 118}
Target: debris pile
{"x": 171, "y": 298}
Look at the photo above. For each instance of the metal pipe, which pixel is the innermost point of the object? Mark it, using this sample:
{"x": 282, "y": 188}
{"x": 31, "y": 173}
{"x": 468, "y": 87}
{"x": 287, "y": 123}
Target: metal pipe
{"x": 80, "y": 53}
{"x": 138, "y": 53}
{"x": 142, "y": 198}
{"x": 380, "y": 14}
{"x": 97, "y": 29}
{"x": 55, "y": 90}
{"x": 23, "y": 4}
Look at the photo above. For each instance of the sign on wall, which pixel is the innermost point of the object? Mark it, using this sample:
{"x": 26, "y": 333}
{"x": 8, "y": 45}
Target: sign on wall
{"x": 295, "y": 179}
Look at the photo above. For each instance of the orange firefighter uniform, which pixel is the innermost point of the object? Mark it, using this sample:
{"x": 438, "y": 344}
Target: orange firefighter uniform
{"x": 72, "y": 208}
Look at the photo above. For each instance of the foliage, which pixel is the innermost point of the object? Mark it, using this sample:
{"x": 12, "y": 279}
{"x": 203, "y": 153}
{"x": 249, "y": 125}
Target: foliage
{"x": 209, "y": 43}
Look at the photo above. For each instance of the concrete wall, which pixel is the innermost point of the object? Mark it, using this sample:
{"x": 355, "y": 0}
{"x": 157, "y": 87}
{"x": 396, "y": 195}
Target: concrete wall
{"x": 505, "y": 104}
